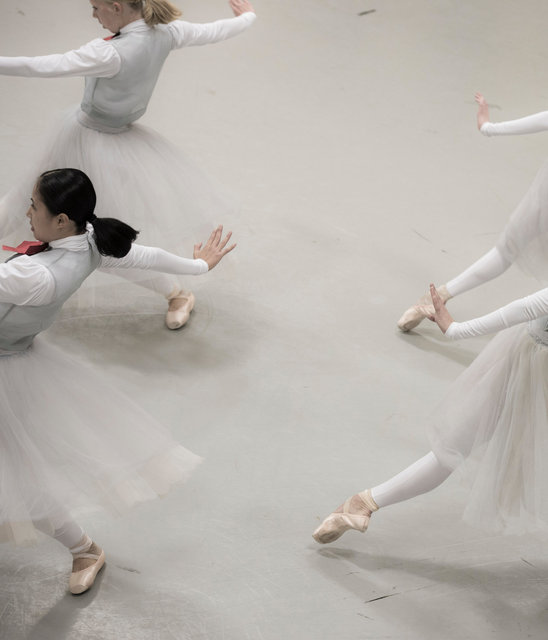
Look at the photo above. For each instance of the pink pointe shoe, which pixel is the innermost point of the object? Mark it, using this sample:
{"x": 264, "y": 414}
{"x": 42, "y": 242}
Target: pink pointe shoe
{"x": 419, "y": 311}
{"x": 181, "y": 304}
{"x": 338, "y": 522}
{"x": 81, "y": 581}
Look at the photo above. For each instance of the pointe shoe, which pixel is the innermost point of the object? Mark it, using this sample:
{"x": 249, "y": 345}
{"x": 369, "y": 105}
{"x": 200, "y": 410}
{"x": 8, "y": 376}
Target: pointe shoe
{"x": 337, "y": 523}
{"x": 81, "y": 581}
{"x": 419, "y": 311}
{"x": 178, "y": 317}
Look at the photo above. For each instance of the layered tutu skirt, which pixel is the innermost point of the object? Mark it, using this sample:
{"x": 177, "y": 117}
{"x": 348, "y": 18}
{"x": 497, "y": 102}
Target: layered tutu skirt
{"x": 494, "y": 419}
{"x": 139, "y": 177}
{"x": 524, "y": 240}
{"x": 70, "y": 442}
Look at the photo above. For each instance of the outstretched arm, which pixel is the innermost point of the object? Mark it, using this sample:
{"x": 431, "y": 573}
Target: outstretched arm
{"x": 518, "y": 311}
{"x": 96, "y": 58}
{"x": 186, "y": 34}
{"x": 489, "y": 266}
{"x": 530, "y": 124}
{"x": 206, "y": 257}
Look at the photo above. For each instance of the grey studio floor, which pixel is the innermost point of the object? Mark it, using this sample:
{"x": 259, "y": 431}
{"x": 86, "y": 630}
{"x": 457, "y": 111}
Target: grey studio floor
{"x": 349, "y": 142}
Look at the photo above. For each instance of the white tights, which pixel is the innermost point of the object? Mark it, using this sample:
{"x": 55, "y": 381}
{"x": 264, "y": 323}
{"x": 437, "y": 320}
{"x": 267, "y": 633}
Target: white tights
{"x": 489, "y": 266}
{"x": 422, "y": 476}
{"x": 65, "y": 530}
{"x": 427, "y": 473}
{"x": 162, "y": 283}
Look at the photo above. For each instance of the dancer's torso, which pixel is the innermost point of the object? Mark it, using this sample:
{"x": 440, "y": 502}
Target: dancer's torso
{"x": 117, "y": 102}
{"x": 19, "y": 324}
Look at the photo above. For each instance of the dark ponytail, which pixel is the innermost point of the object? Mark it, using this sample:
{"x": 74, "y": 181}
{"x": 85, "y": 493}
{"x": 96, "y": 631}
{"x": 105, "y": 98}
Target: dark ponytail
{"x": 113, "y": 237}
{"x": 70, "y": 191}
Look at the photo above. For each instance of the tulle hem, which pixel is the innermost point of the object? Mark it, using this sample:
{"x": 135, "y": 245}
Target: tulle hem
{"x": 70, "y": 442}
{"x": 153, "y": 481}
{"x": 493, "y": 422}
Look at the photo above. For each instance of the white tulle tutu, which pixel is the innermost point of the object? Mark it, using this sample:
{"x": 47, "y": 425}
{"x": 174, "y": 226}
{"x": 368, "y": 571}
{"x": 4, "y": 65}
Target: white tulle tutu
{"x": 524, "y": 239}
{"x": 140, "y": 178}
{"x": 495, "y": 417}
{"x": 69, "y": 441}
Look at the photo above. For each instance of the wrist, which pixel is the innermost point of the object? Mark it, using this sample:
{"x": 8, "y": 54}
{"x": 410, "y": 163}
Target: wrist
{"x": 204, "y": 265}
{"x": 451, "y": 330}
{"x": 486, "y": 128}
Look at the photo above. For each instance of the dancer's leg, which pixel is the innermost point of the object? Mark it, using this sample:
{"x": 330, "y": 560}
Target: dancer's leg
{"x": 69, "y": 533}
{"x": 161, "y": 283}
{"x": 424, "y": 475}
{"x": 180, "y": 302}
{"x": 87, "y": 557}
{"x": 489, "y": 266}
{"x": 60, "y": 524}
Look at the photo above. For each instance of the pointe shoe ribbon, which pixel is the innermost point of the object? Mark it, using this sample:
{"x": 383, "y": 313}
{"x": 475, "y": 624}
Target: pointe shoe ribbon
{"x": 176, "y": 318}
{"x": 337, "y": 523}
{"x": 81, "y": 581}
{"x": 413, "y": 316}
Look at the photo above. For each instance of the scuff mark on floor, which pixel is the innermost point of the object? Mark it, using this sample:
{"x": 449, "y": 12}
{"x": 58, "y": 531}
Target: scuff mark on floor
{"x": 421, "y": 236}
{"x": 128, "y": 569}
{"x": 383, "y": 597}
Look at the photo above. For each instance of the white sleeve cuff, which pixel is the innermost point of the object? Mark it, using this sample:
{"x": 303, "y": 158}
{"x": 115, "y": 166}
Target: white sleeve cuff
{"x": 452, "y": 331}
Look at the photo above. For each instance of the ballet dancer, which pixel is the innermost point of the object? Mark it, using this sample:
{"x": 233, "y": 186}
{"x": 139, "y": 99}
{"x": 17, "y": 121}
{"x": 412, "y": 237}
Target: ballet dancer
{"x": 522, "y": 241}
{"x": 124, "y": 159}
{"x": 494, "y": 416}
{"x": 69, "y": 438}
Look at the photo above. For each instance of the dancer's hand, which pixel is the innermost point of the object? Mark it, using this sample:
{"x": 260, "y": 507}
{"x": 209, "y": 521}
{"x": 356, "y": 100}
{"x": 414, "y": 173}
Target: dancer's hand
{"x": 240, "y": 6}
{"x": 440, "y": 316}
{"x": 215, "y": 248}
{"x": 483, "y": 109}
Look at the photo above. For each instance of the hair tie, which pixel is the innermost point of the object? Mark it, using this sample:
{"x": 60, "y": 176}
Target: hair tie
{"x": 92, "y": 217}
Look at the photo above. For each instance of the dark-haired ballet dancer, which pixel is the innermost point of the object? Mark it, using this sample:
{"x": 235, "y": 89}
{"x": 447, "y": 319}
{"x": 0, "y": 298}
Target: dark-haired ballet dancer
{"x": 68, "y": 438}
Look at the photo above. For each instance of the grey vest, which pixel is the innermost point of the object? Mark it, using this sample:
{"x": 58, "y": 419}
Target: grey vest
{"x": 119, "y": 101}
{"x": 20, "y": 323}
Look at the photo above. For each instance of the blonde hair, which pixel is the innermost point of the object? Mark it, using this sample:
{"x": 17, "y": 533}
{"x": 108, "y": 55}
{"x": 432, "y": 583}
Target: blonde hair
{"x": 159, "y": 12}
{"x": 154, "y": 11}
